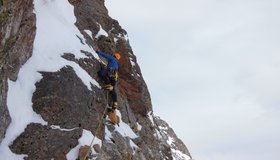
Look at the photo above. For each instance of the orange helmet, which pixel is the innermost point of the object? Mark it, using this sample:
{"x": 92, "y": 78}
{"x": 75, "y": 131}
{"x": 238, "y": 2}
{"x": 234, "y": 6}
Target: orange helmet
{"x": 117, "y": 55}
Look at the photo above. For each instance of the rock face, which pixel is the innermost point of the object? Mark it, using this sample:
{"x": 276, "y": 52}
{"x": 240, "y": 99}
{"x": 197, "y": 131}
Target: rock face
{"x": 36, "y": 143}
{"x": 69, "y": 107}
{"x": 17, "y": 32}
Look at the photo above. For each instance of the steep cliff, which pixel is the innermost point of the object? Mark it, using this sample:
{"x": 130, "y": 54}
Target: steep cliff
{"x": 54, "y": 100}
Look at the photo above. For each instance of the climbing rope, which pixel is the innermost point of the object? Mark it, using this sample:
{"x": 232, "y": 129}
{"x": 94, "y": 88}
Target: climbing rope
{"x": 97, "y": 129}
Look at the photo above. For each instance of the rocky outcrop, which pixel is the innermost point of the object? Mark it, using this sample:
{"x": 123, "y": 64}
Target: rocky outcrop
{"x": 62, "y": 99}
{"x": 72, "y": 109}
{"x": 92, "y": 15}
{"x": 17, "y": 32}
{"x": 36, "y": 143}
{"x": 169, "y": 138}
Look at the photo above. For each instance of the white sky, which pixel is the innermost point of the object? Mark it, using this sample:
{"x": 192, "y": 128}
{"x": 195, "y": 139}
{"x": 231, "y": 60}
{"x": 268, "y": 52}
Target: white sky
{"x": 215, "y": 74}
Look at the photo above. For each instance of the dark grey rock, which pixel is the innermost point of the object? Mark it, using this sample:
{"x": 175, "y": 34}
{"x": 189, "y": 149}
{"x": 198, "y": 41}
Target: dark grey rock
{"x": 4, "y": 113}
{"x": 43, "y": 142}
{"x": 17, "y": 32}
{"x": 62, "y": 99}
{"x": 110, "y": 152}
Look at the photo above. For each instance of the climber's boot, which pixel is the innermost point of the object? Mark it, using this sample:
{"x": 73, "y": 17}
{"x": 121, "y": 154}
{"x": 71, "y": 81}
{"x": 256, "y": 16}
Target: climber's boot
{"x": 108, "y": 87}
{"x": 115, "y": 105}
{"x": 113, "y": 117}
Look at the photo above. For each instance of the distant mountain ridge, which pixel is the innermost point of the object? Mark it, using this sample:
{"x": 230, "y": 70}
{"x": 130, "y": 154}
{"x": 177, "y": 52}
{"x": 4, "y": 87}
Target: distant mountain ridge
{"x": 51, "y": 98}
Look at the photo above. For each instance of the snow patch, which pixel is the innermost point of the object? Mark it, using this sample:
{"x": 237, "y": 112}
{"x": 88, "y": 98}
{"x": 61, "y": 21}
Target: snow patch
{"x": 89, "y": 33}
{"x": 131, "y": 61}
{"x": 84, "y": 76}
{"x": 63, "y": 129}
{"x": 125, "y": 37}
{"x": 20, "y": 108}
{"x": 139, "y": 127}
{"x": 108, "y": 134}
{"x": 124, "y": 129}
{"x": 101, "y": 32}
{"x": 133, "y": 146}
{"x": 163, "y": 128}
{"x": 86, "y": 139}
{"x": 158, "y": 135}
{"x": 170, "y": 140}
{"x": 150, "y": 116}
{"x": 178, "y": 155}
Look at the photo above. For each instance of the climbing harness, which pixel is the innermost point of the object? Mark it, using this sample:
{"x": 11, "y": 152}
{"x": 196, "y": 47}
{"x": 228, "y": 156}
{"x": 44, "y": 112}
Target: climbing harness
{"x": 98, "y": 127}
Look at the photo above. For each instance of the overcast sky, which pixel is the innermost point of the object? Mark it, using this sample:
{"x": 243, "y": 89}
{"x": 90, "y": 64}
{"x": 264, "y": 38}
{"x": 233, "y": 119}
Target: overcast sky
{"x": 213, "y": 71}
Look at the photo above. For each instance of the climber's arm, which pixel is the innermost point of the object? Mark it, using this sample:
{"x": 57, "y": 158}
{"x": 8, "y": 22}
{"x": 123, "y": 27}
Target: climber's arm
{"x": 103, "y": 54}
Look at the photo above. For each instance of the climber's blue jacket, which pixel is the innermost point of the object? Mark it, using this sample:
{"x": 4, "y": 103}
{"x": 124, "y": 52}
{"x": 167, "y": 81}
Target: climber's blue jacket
{"x": 112, "y": 61}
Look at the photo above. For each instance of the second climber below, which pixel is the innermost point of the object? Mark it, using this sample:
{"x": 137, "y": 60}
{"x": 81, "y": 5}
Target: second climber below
{"x": 110, "y": 74}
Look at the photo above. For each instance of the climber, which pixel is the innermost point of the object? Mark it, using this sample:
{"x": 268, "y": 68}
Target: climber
{"x": 110, "y": 74}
